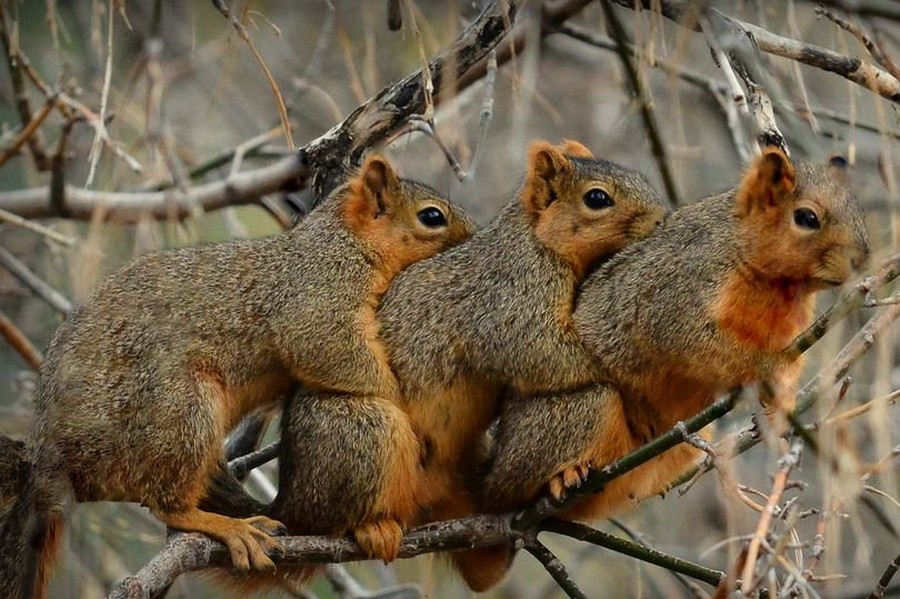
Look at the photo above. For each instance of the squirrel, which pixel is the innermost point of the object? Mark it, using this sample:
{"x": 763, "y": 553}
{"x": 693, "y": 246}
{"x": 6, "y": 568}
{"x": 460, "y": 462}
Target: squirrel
{"x": 458, "y": 327}
{"x": 141, "y": 384}
{"x": 705, "y": 304}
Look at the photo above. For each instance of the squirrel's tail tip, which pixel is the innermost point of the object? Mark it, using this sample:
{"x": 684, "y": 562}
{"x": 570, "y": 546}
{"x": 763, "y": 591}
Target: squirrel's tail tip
{"x": 483, "y": 568}
{"x": 28, "y": 539}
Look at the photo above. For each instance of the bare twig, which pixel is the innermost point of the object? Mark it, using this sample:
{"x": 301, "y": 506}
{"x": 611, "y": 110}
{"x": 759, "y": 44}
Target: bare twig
{"x": 34, "y": 282}
{"x": 886, "y": 578}
{"x": 850, "y": 301}
{"x": 871, "y": 47}
{"x": 27, "y": 132}
{"x": 555, "y": 568}
{"x": 853, "y": 69}
{"x": 100, "y": 125}
{"x": 660, "y": 153}
{"x": 642, "y": 552}
{"x": 12, "y": 54}
{"x": 786, "y": 464}
{"x": 19, "y": 342}
{"x": 14, "y": 219}
{"x": 242, "y": 32}
{"x": 487, "y": 112}
{"x": 244, "y": 464}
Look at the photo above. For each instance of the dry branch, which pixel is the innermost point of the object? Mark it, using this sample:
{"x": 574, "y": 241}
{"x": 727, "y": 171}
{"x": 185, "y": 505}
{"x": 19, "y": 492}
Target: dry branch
{"x": 321, "y": 163}
{"x": 853, "y": 69}
{"x": 40, "y": 287}
{"x": 19, "y": 342}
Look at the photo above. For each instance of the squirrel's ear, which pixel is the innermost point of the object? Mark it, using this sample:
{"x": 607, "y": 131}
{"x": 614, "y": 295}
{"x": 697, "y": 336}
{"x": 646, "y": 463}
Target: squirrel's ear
{"x": 770, "y": 178}
{"x": 839, "y": 168}
{"x": 570, "y": 147}
{"x": 546, "y": 164}
{"x": 378, "y": 181}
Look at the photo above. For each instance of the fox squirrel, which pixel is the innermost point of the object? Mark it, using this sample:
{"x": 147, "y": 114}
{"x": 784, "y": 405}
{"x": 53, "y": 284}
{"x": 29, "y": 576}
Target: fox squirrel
{"x": 705, "y": 304}
{"x": 458, "y": 327}
{"x": 142, "y": 383}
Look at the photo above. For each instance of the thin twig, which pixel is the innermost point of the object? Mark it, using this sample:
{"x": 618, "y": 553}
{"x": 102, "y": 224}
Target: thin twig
{"x": 849, "y": 301}
{"x": 47, "y": 293}
{"x": 19, "y": 342}
{"x": 886, "y": 578}
{"x": 487, "y": 112}
{"x": 660, "y": 153}
{"x": 13, "y": 61}
{"x": 858, "y": 71}
{"x": 100, "y": 125}
{"x": 242, "y": 32}
{"x": 27, "y": 132}
{"x": 888, "y": 400}
{"x": 244, "y": 464}
{"x": 786, "y": 464}
{"x": 15, "y": 219}
{"x": 642, "y": 552}
{"x": 555, "y": 568}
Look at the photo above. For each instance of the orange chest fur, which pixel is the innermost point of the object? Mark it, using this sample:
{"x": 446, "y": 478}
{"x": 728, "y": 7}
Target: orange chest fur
{"x": 764, "y": 316}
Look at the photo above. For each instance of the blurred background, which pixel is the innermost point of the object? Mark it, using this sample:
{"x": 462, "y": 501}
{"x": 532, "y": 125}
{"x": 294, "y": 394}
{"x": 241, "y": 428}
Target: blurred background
{"x": 184, "y": 91}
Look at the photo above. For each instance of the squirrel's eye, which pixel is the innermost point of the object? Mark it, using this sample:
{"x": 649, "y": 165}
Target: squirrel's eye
{"x": 806, "y": 219}
{"x": 596, "y": 199}
{"x": 431, "y": 217}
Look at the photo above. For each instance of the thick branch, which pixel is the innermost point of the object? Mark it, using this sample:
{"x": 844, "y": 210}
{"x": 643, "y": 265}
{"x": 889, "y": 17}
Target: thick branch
{"x": 189, "y": 552}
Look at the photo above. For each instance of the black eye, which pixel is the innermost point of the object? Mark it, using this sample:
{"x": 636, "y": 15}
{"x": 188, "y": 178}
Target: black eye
{"x": 806, "y": 219}
{"x": 596, "y": 199}
{"x": 431, "y": 217}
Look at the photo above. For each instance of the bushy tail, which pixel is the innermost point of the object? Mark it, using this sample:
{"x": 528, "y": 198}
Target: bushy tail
{"x": 483, "y": 568}
{"x": 289, "y": 578}
{"x": 28, "y": 536}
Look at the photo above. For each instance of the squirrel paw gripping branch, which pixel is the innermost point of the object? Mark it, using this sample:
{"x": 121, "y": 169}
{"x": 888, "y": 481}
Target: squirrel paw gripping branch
{"x": 142, "y": 383}
{"x": 704, "y": 304}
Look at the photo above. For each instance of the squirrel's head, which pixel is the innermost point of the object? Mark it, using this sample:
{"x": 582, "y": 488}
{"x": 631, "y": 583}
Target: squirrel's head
{"x": 800, "y": 225}
{"x": 399, "y": 220}
{"x": 586, "y": 209}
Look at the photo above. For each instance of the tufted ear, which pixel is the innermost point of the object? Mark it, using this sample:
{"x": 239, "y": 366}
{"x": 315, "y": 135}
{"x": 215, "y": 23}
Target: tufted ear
{"x": 546, "y": 166}
{"x": 570, "y": 147}
{"x": 378, "y": 183}
{"x": 767, "y": 181}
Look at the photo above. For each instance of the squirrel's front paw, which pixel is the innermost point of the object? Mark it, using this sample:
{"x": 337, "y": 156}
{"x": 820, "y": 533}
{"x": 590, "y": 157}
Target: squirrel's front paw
{"x": 380, "y": 539}
{"x": 568, "y": 478}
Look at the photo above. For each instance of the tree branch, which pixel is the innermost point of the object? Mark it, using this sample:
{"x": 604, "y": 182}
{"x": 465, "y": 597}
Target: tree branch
{"x": 321, "y": 163}
{"x": 587, "y": 534}
{"x": 555, "y": 568}
{"x": 853, "y": 69}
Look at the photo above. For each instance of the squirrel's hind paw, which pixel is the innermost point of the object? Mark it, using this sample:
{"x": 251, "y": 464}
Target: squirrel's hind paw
{"x": 568, "y": 478}
{"x": 380, "y": 539}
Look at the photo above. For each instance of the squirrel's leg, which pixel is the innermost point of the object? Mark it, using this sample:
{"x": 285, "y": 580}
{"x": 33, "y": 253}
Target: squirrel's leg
{"x": 398, "y": 500}
{"x": 247, "y": 540}
{"x": 178, "y": 477}
{"x": 226, "y": 495}
{"x": 541, "y": 441}
{"x": 349, "y": 465}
